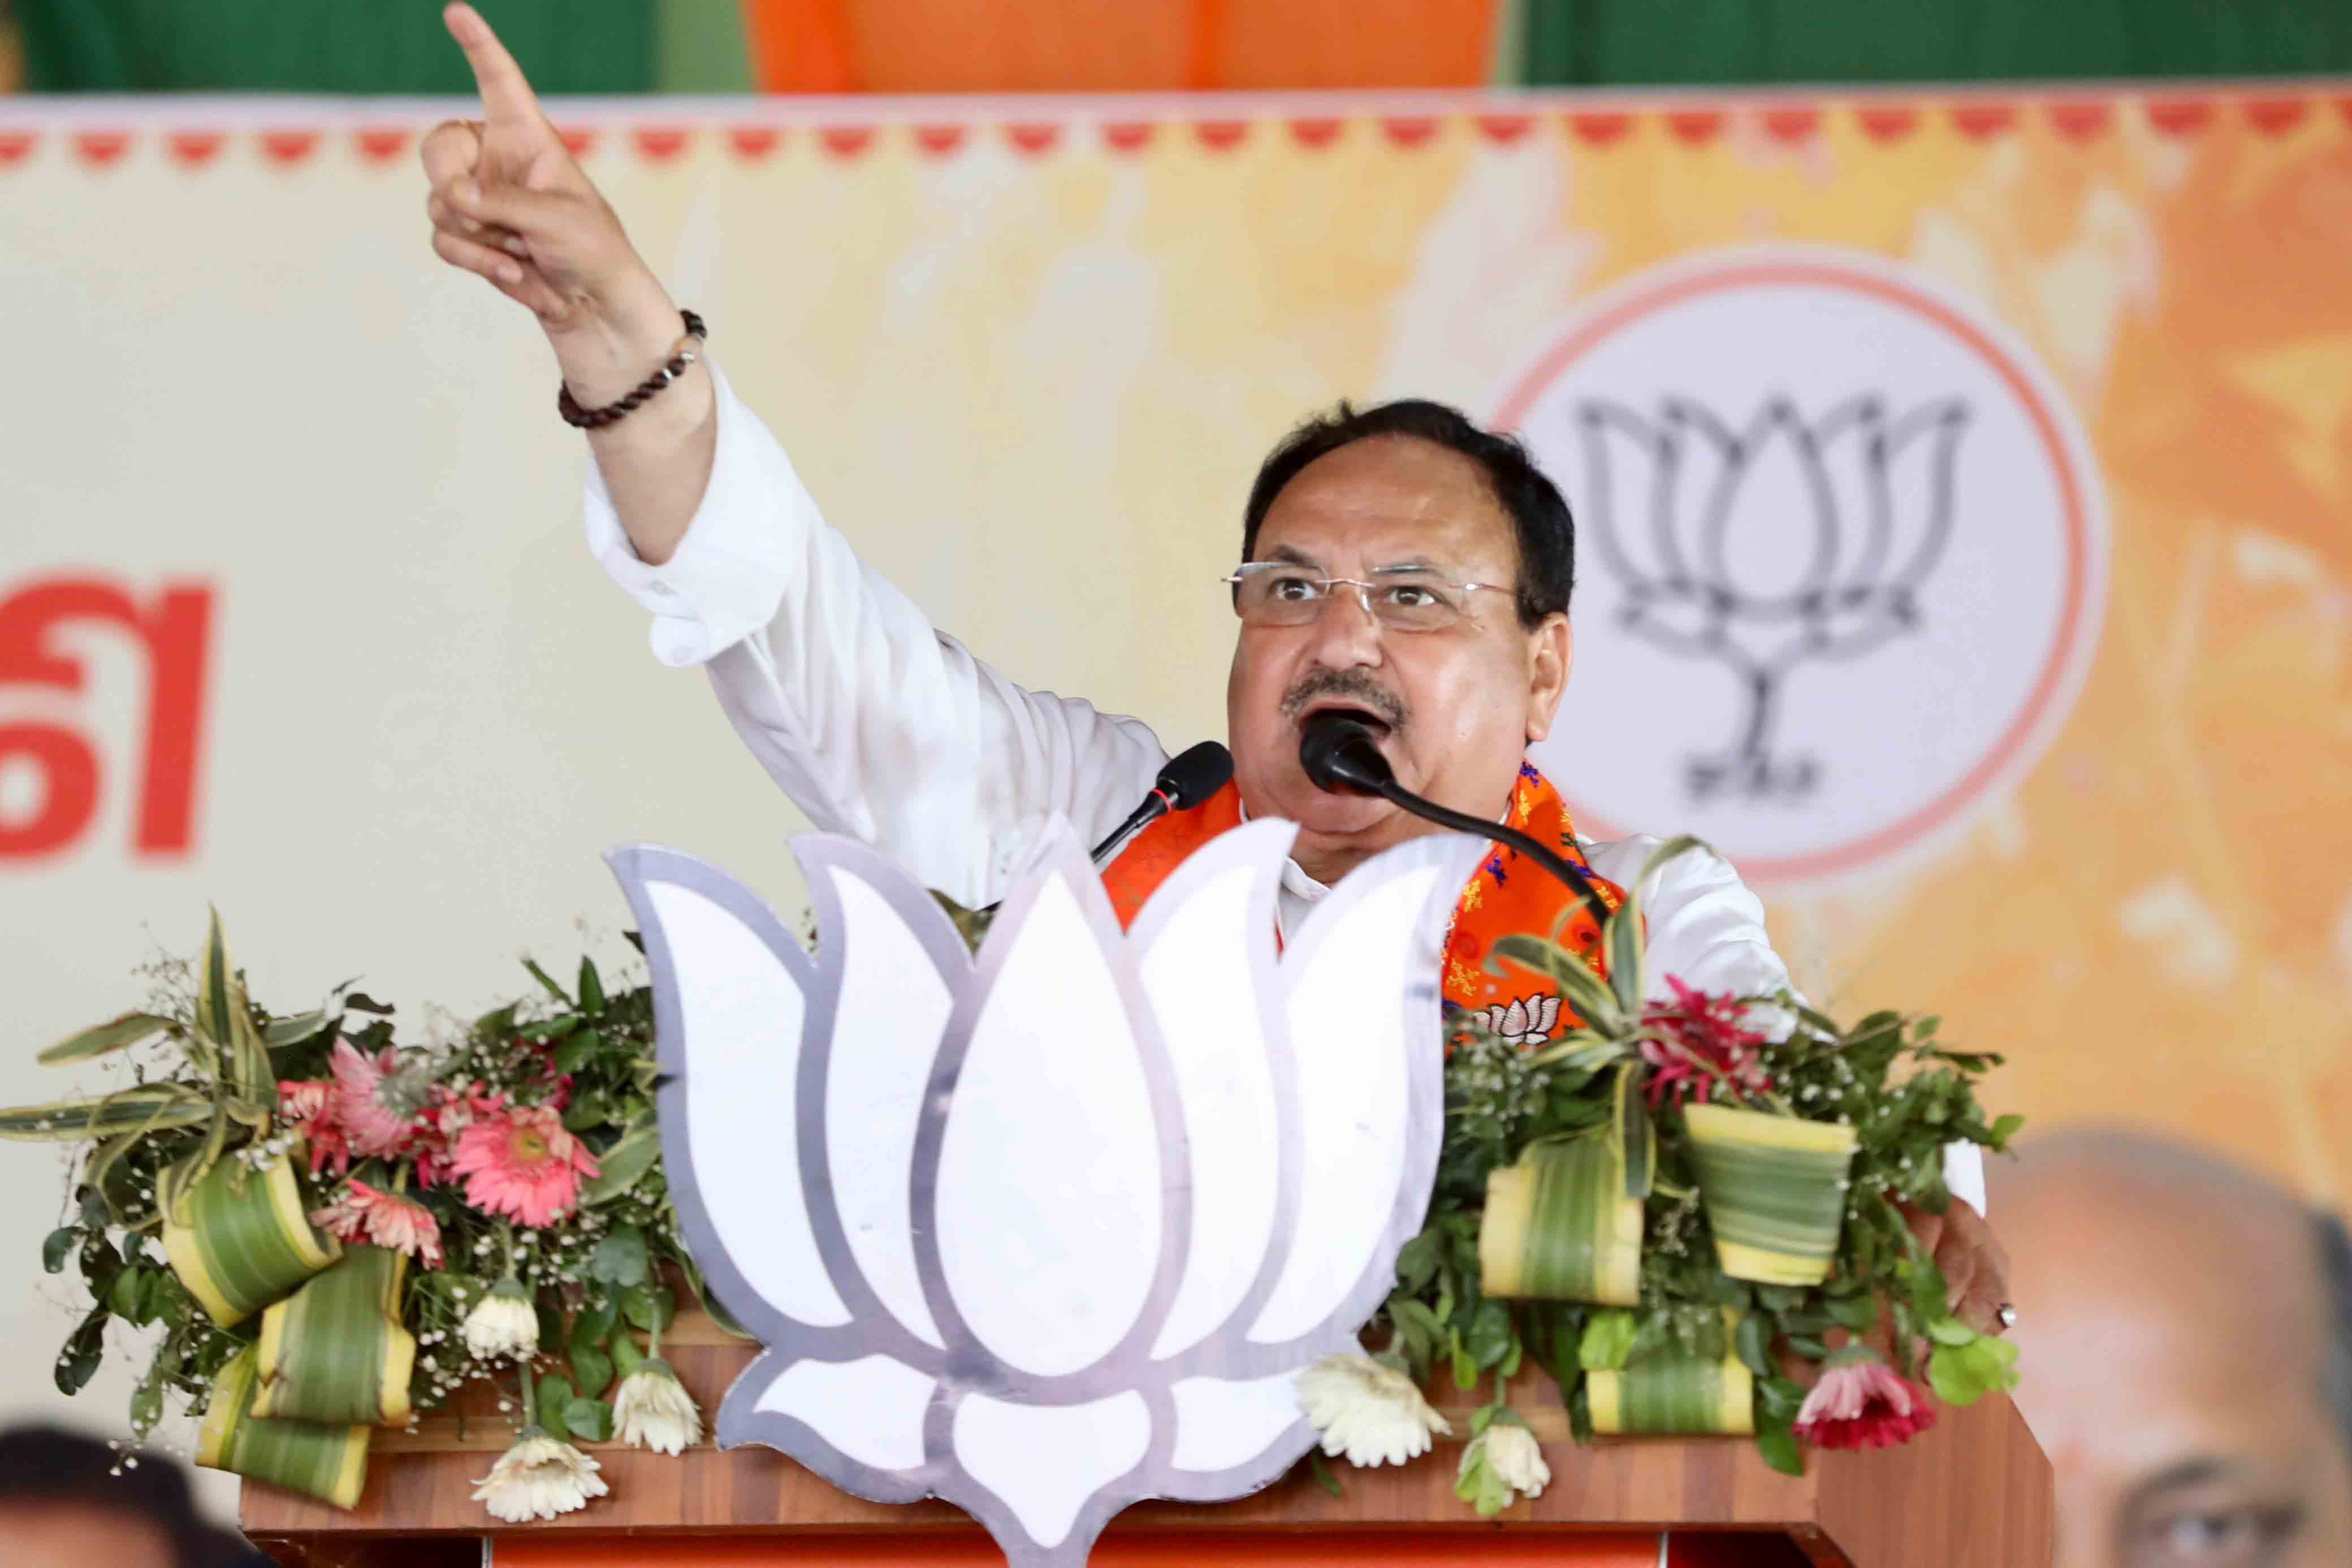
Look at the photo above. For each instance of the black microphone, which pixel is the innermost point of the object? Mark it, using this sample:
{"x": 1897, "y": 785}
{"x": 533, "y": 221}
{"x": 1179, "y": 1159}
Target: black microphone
{"x": 1339, "y": 755}
{"x": 1187, "y": 780}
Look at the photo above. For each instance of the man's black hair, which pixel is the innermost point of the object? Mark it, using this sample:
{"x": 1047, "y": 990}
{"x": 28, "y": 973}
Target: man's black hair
{"x": 47, "y": 1466}
{"x": 2335, "y": 1280}
{"x": 1539, "y": 516}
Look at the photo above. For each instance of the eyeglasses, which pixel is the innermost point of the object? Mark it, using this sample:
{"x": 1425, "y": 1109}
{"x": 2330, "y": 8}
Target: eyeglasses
{"x": 1403, "y": 599}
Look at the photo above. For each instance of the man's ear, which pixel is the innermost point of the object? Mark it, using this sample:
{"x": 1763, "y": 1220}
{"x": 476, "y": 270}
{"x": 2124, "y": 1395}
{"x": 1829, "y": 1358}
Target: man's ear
{"x": 1551, "y": 648}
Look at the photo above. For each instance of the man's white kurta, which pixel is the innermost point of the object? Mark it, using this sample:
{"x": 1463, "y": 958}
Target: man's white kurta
{"x": 881, "y": 727}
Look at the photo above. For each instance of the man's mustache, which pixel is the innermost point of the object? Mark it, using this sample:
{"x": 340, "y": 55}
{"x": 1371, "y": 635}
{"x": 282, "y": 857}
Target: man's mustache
{"x": 1356, "y": 685}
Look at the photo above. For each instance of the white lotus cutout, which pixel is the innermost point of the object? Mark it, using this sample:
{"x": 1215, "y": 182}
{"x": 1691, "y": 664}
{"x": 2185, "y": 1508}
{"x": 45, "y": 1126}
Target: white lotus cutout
{"x": 1052, "y": 1228}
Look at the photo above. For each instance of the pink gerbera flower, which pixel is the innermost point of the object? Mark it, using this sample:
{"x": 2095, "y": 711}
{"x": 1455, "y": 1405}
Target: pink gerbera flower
{"x": 522, "y": 1163}
{"x": 1863, "y": 1403}
{"x": 309, "y": 1107}
{"x": 376, "y": 1101}
{"x": 454, "y": 1109}
{"x": 1697, "y": 1040}
{"x": 382, "y": 1220}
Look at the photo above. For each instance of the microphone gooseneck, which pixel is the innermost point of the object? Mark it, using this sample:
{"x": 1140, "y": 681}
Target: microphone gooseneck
{"x": 1340, "y": 755}
{"x": 1188, "y": 780}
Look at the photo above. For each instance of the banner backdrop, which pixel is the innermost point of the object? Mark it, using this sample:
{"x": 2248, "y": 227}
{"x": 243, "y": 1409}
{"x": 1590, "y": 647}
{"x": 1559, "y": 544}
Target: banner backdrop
{"x": 1963, "y": 486}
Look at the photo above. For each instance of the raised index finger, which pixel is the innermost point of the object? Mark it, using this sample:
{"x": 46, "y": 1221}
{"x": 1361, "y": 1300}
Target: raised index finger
{"x": 505, "y": 94}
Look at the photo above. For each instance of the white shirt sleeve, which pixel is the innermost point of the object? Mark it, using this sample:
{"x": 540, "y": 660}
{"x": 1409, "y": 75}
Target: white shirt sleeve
{"x": 1706, "y": 929}
{"x": 875, "y": 723}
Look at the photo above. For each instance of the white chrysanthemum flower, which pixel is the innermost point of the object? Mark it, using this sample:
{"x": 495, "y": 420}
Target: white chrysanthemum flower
{"x": 503, "y": 1323}
{"x": 1515, "y": 1456}
{"x": 1368, "y": 1411}
{"x": 652, "y": 1411}
{"x": 539, "y": 1478}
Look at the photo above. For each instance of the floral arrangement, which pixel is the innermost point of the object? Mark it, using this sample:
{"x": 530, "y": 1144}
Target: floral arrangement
{"x": 336, "y": 1231}
{"x": 1683, "y": 1211}
{"x": 1677, "y": 1209}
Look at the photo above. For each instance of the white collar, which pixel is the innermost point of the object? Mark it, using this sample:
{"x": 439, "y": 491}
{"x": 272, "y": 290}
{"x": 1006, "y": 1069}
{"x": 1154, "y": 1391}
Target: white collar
{"x": 1305, "y": 888}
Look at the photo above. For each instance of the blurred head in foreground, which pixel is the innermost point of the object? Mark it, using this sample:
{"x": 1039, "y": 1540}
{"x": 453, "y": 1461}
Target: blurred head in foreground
{"x": 62, "y": 1507}
{"x": 2185, "y": 1336}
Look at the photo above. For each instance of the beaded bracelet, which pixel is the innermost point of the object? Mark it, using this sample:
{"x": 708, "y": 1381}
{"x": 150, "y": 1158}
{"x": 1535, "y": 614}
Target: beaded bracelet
{"x": 684, "y": 354}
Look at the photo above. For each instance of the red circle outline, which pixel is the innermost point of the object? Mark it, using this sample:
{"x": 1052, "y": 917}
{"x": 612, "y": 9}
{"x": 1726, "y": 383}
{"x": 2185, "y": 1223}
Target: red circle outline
{"x": 1927, "y": 818}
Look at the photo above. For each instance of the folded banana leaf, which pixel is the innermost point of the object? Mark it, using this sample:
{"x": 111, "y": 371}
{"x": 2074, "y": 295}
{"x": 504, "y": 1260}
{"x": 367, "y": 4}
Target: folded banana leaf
{"x": 240, "y": 1239}
{"x": 1775, "y": 1188}
{"x": 1667, "y": 1394}
{"x": 1561, "y": 1226}
{"x": 328, "y": 1462}
{"x": 334, "y": 1350}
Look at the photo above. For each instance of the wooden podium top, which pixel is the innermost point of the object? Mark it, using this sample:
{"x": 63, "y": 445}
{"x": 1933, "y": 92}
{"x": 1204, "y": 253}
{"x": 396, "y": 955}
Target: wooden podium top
{"x": 1972, "y": 1492}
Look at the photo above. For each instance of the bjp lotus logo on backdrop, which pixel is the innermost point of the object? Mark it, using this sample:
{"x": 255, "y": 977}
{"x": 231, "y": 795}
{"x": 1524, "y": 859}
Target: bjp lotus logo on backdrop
{"x": 53, "y": 767}
{"x": 1841, "y": 556}
{"x": 1052, "y": 1228}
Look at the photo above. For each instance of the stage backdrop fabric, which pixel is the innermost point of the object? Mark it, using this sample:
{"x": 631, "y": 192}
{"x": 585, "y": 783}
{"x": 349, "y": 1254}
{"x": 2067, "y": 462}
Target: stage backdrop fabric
{"x": 1963, "y": 478}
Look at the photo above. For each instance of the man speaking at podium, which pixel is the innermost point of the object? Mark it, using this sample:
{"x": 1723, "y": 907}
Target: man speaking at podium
{"x": 1399, "y": 564}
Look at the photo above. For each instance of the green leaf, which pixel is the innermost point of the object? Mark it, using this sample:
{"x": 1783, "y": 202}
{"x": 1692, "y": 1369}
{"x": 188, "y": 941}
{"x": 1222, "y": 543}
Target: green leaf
{"x": 591, "y": 987}
{"x": 299, "y": 1030}
{"x": 555, "y": 1393}
{"x": 1962, "y": 1374}
{"x": 591, "y": 1365}
{"x": 2004, "y": 1129}
{"x": 592, "y": 1419}
{"x": 1476, "y": 1483}
{"x": 550, "y": 1325}
{"x": 1608, "y": 1340}
{"x": 1778, "y": 1443}
{"x": 1633, "y": 1132}
{"x": 55, "y": 1245}
{"x": 1622, "y": 940}
{"x": 132, "y": 1297}
{"x": 1931, "y": 1297}
{"x": 1417, "y": 1263}
{"x": 619, "y": 1167}
{"x": 147, "y": 1400}
{"x": 1491, "y": 1336}
{"x": 1322, "y": 1472}
{"x": 85, "y": 1348}
{"x": 1951, "y": 1330}
{"x": 553, "y": 989}
{"x": 150, "y": 1106}
{"x": 595, "y": 1320}
{"x": 627, "y": 1357}
{"x": 574, "y": 1052}
{"x": 590, "y": 1110}
{"x": 114, "y": 1034}
{"x": 1466, "y": 1367}
{"x": 621, "y": 1259}
{"x": 650, "y": 1309}
{"x": 1856, "y": 1314}
{"x": 1749, "y": 1344}
{"x": 1779, "y": 1396}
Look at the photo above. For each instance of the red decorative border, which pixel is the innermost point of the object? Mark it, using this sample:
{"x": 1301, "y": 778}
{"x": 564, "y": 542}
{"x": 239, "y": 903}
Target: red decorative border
{"x": 1933, "y": 816}
{"x": 1223, "y": 123}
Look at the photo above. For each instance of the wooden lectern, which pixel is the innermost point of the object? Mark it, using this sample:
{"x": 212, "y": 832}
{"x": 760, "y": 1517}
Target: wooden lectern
{"x": 1974, "y": 1491}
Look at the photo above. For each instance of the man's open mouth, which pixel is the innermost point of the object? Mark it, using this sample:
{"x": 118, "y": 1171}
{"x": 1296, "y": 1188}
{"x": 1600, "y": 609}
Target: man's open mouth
{"x": 1379, "y": 727}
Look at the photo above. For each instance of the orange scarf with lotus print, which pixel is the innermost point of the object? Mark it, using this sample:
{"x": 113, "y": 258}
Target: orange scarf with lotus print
{"x": 1507, "y": 894}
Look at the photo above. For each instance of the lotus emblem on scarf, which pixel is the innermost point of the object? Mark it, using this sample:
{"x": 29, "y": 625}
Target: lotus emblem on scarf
{"x": 1821, "y": 561}
{"x": 1050, "y": 1228}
